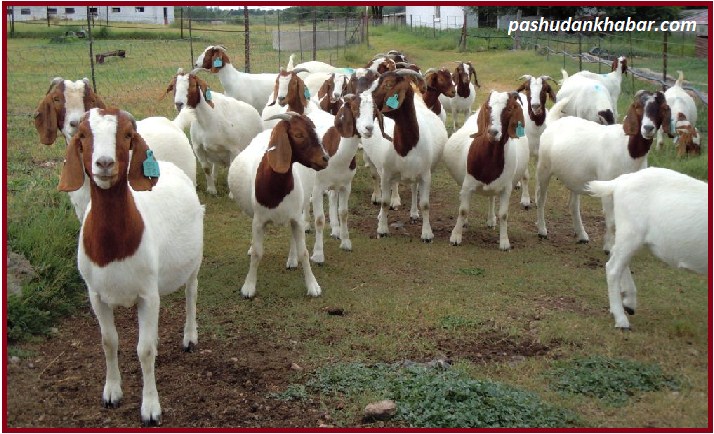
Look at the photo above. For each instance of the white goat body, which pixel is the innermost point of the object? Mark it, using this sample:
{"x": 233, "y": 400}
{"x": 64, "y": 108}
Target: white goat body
{"x": 663, "y": 210}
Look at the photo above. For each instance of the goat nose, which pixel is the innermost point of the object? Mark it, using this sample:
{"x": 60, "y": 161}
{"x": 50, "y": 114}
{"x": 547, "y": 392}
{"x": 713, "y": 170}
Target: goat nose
{"x": 105, "y": 163}
{"x": 74, "y": 124}
{"x": 492, "y": 131}
{"x": 648, "y": 128}
{"x": 535, "y": 106}
{"x": 179, "y": 106}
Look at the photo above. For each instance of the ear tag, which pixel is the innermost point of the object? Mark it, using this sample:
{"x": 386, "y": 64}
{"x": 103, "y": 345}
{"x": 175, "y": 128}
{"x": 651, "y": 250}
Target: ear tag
{"x": 672, "y": 125}
{"x": 307, "y": 93}
{"x": 520, "y": 130}
{"x": 217, "y": 62}
{"x": 209, "y": 96}
{"x": 393, "y": 101}
{"x": 349, "y": 71}
{"x": 151, "y": 167}
{"x": 597, "y": 87}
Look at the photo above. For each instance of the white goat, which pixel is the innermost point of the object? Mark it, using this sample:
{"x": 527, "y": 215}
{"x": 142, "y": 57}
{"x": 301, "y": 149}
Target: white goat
{"x": 612, "y": 81}
{"x": 267, "y": 188}
{"x": 683, "y": 110}
{"x": 663, "y": 210}
{"x": 536, "y": 91}
{"x": 577, "y": 151}
{"x": 419, "y": 137}
{"x": 487, "y": 156}
{"x": 223, "y": 127}
{"x": 354, "y": 119}
{"x": 135, "y": 244}
{"x": 253, "y": 89}
{"x": 465, "y": 96}
{"x": 587, "y": 98}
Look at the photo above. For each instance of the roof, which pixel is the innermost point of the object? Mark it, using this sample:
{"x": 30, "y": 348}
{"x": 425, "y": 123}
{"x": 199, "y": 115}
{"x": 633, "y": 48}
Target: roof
{"x": 701, "y": 16}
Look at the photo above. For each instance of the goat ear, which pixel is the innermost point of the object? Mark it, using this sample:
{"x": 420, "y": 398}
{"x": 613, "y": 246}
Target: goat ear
{"x": 301, "y": 91}
{"x": 72, "y": 176}
{"x": 549, "y": 89}
{"x": 631, "y": 124}
{"x": 483, "y": 118}
{"x": 472, "y": 72}
{"x": 523, "y": 86}
{"x": 667, "y": 120}
{"x": 203, "y": 87}
{"x": 280, "y": 153}
{"x": 46, "y": 120}
{"x": 344, "y": 121}
{"x": 169, "y": 89}
{"x": 516, "y": 118}
{"x": 380, "y": 121}
{"x": 137, "y": 180}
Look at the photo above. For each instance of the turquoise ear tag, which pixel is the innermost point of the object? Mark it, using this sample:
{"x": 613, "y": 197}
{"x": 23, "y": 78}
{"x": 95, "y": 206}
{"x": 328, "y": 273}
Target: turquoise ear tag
{"x": 520, "y": 130}
{"x": 393, "y": 101}
{"x": 151, "y": 167}
{"x": 672, "y": 126}
{"x": 217, "y": 62}
{"x": 209, "y": 96}
{"x": 307, "y": 93}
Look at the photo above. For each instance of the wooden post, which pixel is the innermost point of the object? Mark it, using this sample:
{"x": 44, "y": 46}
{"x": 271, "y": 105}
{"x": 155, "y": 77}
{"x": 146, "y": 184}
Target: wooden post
{"x": 190, "y": 35}
{"x": 12, "y": 21}
{"x": 314, "y": 34}
{"x": 91, "y": 50}
{"x": 48, "y": 15}
{"x": 463, "y": 31}
{"x": 181, "y": 22}
{"x": 246, "y": 26}
{"x": 664, "y": 61}
{"x": 280, "y": 62}
{"x": 517, "y": 37}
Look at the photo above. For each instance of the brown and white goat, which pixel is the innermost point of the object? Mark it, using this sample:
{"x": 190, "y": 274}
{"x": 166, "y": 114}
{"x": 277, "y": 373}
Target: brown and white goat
{"x": 487, "y": 156}
{"x": 578, "y": 151}
{"x": 438, "y": 82}
{"x": 142, "y": 238}
{"x": 465, "y": 92}
{"x": 418, "y": 141}
{"x": 267, "y": 188}
{"x": 330, "y": 93}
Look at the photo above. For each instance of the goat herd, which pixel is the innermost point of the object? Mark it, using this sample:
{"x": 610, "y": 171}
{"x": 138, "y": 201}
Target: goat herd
{"x": 289, "y": 138}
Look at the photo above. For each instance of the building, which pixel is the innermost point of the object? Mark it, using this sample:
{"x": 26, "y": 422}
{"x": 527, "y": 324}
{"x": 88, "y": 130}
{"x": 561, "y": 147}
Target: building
{"x": 440, "y": 17}
{"x": 132, "y": 14}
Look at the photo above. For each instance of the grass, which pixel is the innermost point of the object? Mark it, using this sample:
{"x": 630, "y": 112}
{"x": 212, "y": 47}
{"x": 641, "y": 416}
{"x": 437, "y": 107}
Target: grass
{"x": 403, "y": 300}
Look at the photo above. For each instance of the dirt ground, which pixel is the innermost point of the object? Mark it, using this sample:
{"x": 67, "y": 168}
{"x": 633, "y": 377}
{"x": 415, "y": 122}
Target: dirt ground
{"x": 61, "y": 384}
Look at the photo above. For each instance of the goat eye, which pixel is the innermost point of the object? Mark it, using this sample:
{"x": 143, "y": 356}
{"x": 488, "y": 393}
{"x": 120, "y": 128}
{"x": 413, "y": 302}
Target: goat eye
{"x": 56, "y": 99}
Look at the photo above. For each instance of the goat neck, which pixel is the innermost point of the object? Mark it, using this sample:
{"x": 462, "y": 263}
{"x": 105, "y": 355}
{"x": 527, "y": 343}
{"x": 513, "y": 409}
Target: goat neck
{"x": 431, "y": 99}
{"x": 272, "y": 187}
{"x": 406, "y": 126}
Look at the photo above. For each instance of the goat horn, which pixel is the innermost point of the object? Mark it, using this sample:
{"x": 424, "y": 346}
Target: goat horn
{"x": 546, "y": 77}
{"x": 195, "y": 70}
{"x": 299, "y": 70}
{"x": 407, "y": 71}
{"x": 430, "y": 70}
{"x": 526, "y": 77}
{"x": 282, "y": 116}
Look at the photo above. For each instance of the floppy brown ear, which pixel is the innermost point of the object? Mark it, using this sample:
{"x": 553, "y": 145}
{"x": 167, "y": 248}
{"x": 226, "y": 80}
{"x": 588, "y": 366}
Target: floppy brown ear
{"x": 91, "y": 99}
{"x": 280, "y": 153}
{"x": 137, "y": 180}
{"x": 301, "y": 91}
{"x": 549, "y": 89}
{"x": 516, "y": 117}
{"x": 472, "y": 72}
{"x": 667, "y": 120}
{"x": 169, "y": 89}
{"x": 483, "y": 118}
{"x": 631, "y": 124}
{"x": 202, "y": 88}
{"x": 344, "y": 120}
{"x": 72, "y": 176}
{"x": 46, "y": 120}
{"x": 523, "y": 86}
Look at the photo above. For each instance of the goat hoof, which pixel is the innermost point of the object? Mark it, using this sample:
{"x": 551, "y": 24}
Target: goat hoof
{"x": 629, "y": 310}
{"x": 152, "y": 421}
{"x": 526, "y": 207}
{"x": 382, "y": 236}
{"x": 543, "y": 237}
{"x": 111, "y": 404}
{"x": 189, "y": 348}
{"x": 291, "y": 267}
{"x": 426, "y": 240}
{"x": 625, "y": 329}
{"x": 583, "y": 241}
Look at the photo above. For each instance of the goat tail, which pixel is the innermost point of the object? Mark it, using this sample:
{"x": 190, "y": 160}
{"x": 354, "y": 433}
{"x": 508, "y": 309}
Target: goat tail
{"x": 556, "y": 112}
{"x": 601, "y": 188}
{"x": 565, "y": 76}
{"x": 291, "y": 65}
{"x": 680, "y": 79}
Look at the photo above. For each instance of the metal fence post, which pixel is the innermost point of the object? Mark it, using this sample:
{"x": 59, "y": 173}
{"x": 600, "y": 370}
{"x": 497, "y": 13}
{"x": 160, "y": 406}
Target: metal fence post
{"x": 181, "y": 22}
{"x": 664, "y": 61}
{"x": 12, "y": 21}
{"x": 580, "y": 51}
{"x": 314, "y": 34}
{"x": 246, "y": 24}
{"x": 190, "y": 35}
{"x": 280, "y": 61}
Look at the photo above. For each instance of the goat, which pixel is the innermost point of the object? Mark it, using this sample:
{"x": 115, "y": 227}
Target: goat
{"x": 684, "y": 115}
{"x": 268, "y": 189}
{"x": 488, "y": 155}
{"x": 612, "y": 81}
{"x": 658, "y": 208}
{"x": 465, "y": 92}
{"x": 142, "y": 237}
{"x": 330, "y": 93}
{"x": 587, "y": 98}
{"x": 438, "y": 82}
{"x": 223, "y": 127}
{"x": 62, "y": 107}
{"x": 253, "y": 89}
{"x": 417, "y": 145}
{"x": 354, "y": 120}
{"x": 536, "y": 91}
{"x": 578, "y": 151}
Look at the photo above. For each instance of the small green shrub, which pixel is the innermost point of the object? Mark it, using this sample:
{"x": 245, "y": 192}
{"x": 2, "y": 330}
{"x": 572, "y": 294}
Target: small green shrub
{"x": 445, "y": 398}
{"x": 610, "y": 380}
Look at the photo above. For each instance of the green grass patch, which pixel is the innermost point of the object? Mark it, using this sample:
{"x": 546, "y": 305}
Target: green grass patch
{"x": 613, "y": 381}
{"x": 437, "y": 397}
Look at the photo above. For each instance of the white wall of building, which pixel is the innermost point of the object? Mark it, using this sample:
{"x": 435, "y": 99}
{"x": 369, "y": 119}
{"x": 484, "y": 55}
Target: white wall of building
{"x": 441, "y": 17}
{"x": 133, "y": 14}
